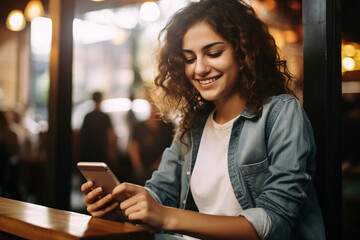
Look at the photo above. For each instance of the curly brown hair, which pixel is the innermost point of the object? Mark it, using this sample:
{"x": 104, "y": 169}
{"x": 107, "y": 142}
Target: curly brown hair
{"x": 262, "y": 73}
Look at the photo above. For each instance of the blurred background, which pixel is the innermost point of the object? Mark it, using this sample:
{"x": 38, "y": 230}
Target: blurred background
{"x": 113, "y": 51}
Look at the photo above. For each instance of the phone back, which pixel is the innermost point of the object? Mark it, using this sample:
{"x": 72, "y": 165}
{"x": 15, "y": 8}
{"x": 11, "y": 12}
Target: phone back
{"x": 100, "y": 174}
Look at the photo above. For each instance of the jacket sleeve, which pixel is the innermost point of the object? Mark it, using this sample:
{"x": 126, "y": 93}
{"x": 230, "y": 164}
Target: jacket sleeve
{"x": 291, "y": 154}
{"x": 165, "y": 184}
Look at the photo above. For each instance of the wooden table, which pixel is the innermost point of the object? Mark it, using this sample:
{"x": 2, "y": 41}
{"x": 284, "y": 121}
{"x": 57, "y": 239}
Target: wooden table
{"x": 31, "y": 221}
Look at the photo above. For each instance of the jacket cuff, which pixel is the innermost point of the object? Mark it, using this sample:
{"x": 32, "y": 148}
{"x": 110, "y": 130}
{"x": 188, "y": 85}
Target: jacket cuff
{"x": 259, "y": 219}
{"x": 154, "y": 195}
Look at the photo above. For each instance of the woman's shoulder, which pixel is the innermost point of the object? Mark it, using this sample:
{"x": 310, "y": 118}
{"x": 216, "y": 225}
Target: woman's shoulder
{"x": 281, "y": 100}
{"x": 285, "y": 97}
{"x": 286, "y": 103}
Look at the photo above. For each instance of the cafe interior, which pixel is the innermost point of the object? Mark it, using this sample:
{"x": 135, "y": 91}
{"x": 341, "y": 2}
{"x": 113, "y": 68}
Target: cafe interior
{"x": 55, "y": 53}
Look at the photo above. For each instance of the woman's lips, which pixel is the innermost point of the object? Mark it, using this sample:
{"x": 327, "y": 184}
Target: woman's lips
{"x": 208, "y": 80}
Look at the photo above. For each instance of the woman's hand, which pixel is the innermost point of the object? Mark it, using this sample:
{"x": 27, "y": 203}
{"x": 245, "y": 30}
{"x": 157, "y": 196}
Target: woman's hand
{"x": 141, "y": 206}
{"x": 97, "y": 206}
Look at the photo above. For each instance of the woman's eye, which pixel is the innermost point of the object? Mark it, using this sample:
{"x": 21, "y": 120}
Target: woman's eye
{"x": 215, "y": 55}
{"x": 189, "y": 60}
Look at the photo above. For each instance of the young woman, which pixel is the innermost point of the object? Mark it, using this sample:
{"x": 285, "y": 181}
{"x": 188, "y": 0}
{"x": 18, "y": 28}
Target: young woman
{"x": 242, "y": 162}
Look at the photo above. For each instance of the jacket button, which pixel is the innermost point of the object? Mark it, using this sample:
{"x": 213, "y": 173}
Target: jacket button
{"x": 188, "y": 173}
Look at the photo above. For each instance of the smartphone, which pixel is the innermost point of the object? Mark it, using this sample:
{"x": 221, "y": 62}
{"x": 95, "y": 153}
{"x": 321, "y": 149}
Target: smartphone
{"x": 101, "y": 175}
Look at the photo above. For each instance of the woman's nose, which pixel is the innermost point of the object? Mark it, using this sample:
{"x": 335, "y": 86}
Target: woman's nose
{"x": 202, "y": 67}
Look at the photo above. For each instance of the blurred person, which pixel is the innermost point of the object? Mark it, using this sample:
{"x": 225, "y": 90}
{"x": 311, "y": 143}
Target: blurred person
{"x": 242, "y": 162}
{"x": 97, "y": 136}
{"x": 22, "y": 133}
{"x": 147, "y": 142}
{"x": 131, "y": 119}
{"x": 9, "y": 165}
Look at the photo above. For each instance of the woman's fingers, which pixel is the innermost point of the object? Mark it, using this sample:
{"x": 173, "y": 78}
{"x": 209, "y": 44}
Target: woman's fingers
{"x": 137, "y": 215}
{"x": 99, "y": 204}
{"x": 136, "y": 194}
{"x": 133, "y": 205}
{"x": 93, "y": 196}
{"x": 103, "y": 211}
{"x": 86, "y": 187}
{"x": 141, "y": 206}
{"x": 102, "y": 206}
{"x": 127, "y": 189}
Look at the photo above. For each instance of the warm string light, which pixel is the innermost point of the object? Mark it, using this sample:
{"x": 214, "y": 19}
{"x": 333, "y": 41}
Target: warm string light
{"x": 34, "y": 9}
{"x": 149, "y": 11}
{"x": 16, "y": 19}
{"x": 348, "y": 63}
{"x": 350, "y": 54}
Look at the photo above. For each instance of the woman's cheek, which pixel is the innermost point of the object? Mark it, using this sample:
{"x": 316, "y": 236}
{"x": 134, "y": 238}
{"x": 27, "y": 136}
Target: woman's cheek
{"x": 189, "y": 71}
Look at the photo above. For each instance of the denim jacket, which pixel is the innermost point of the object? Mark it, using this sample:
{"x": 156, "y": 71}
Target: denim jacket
{"x": 271, "y": 163}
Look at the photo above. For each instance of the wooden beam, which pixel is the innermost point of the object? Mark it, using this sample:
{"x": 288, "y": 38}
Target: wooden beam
{"x": 59, "y": 136}
{"x": 322, "y": 102}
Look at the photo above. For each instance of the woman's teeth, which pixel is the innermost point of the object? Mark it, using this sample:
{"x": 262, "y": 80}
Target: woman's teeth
{"x": 207, "y": 81}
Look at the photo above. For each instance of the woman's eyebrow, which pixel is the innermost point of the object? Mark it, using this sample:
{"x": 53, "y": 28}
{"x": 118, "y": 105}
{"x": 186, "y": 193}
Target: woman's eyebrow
{"x": 204, "y": 48}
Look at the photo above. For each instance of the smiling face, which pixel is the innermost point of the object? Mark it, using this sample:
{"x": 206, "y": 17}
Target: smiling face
{"x": 210, "y": 63}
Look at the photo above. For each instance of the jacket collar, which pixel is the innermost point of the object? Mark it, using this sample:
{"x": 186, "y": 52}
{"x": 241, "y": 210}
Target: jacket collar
{"x": 247, "y": 113}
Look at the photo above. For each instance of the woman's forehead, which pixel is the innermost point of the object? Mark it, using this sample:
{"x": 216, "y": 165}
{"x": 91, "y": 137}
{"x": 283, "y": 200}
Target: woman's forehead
{"x": 200, "y": 34}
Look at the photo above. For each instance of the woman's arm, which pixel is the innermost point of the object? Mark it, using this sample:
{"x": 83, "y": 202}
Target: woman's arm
{"x": 206, "y": 226}
{"x": 143, "y": 207}
{"x": 291, "y": 157}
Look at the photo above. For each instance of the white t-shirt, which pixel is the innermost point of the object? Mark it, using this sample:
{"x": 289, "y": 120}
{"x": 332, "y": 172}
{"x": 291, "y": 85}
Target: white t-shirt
{"x": 210, "y": 182}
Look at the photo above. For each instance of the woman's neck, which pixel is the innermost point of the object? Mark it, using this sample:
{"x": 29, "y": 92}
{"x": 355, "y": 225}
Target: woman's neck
{"x": 229, "y": 109}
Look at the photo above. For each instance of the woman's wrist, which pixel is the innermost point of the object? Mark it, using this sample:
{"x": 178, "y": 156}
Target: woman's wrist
{"x": 170, "y": 219}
